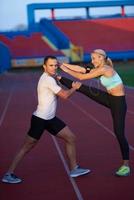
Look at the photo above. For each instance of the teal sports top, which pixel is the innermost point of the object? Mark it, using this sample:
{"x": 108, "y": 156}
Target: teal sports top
{"x": 110, "y": 82}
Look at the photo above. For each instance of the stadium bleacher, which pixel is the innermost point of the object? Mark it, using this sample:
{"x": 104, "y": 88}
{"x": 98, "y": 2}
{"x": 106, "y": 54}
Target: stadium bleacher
{"x": 113, "y": 34}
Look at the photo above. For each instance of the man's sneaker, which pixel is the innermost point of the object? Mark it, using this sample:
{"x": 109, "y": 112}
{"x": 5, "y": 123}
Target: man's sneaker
{"x": 123, "y": 171}
{"x": 78, "y": 171}
{"x": 11, "y": 178}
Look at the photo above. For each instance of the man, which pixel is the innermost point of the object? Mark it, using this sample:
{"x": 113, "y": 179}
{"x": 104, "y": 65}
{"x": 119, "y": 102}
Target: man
{"x": 44, "y": 119}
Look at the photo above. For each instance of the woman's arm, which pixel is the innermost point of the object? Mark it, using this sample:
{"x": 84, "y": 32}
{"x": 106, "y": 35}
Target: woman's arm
{"x": 92, "y": 74}
{"x": 75, "y": 68}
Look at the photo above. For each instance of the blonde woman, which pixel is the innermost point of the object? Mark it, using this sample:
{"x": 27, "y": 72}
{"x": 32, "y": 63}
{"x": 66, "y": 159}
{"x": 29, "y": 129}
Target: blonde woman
{"x": 113, "y": 98}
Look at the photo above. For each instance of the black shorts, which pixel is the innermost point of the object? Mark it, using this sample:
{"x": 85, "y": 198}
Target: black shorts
{"x": 39, "y": 125}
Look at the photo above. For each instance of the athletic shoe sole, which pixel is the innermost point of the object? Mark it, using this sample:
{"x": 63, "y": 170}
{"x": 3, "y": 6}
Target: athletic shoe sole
{"x": 6, "y": 181}
{"x": 128, "y": 174}
{"x": 81, "y": 174}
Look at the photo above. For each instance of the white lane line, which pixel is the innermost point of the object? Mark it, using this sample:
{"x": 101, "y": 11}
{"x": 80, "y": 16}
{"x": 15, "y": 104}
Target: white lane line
{"x": 75, "y": 187}
{"x": 94, "y": 119}
{"x": 6, "y": 107}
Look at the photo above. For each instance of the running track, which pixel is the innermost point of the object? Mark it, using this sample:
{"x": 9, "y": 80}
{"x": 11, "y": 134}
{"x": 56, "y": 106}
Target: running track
{"x": 45, "y": 170}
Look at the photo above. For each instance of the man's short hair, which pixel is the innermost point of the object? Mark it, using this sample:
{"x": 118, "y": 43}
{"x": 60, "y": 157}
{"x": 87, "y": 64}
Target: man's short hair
{"x": 49, "y": 57}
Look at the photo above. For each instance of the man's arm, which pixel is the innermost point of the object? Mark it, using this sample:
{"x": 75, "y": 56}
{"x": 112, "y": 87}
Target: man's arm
{"x": 64, "y": 94}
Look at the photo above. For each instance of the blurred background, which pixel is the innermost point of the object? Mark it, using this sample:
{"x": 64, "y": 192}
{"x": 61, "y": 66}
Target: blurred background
{"x": 70, "y": 30}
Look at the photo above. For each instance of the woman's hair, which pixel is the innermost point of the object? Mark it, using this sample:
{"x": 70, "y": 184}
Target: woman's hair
{"x": 108, "y": 61}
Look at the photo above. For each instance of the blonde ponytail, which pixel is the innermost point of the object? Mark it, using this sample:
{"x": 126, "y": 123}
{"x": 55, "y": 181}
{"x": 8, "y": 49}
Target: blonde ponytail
{"x": 109, "y": 62}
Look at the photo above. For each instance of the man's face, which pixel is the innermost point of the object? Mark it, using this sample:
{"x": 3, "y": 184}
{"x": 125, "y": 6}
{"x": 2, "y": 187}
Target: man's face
{"x": 51, "y": 66}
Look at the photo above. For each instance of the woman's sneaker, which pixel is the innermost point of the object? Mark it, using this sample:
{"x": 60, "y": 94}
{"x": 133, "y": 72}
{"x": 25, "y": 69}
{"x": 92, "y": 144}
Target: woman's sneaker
{"x": 11, "y": 178}
{"x": 123, "y": 171}
{"x": 78, "y": 171}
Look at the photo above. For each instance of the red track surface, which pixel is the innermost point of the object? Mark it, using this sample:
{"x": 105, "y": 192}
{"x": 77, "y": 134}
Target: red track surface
{"x": 44, "y": 169}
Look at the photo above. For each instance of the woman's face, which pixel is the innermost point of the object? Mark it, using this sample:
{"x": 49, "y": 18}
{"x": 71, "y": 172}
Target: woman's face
{"x": 97, "y": 60}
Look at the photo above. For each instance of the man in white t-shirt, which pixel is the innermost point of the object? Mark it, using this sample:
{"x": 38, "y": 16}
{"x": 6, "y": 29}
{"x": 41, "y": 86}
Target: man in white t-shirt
{"x": 44, "y": 119}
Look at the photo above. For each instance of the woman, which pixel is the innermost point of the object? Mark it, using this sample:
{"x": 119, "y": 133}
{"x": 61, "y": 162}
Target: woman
{"x": 113, "y": 98}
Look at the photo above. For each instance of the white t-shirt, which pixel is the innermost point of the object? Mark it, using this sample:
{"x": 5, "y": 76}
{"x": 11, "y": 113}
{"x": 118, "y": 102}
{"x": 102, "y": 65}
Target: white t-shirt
{"x": 47, "y": 100}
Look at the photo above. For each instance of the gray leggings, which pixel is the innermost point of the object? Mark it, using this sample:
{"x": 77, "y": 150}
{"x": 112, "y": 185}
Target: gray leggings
{"x": 117, "y": 106}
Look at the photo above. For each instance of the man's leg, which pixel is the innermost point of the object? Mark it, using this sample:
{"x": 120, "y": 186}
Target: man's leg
{"x": 9, "y": 177}
{"x": 29, "y": 143}
{"x": 69, "y": 138}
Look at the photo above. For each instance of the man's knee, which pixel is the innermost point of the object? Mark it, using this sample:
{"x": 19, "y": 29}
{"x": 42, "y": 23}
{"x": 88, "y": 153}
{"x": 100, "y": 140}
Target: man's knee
{"x": 67, "y": 135}
{"x": 72, "y": 138}
{"x": 29, "y": 144}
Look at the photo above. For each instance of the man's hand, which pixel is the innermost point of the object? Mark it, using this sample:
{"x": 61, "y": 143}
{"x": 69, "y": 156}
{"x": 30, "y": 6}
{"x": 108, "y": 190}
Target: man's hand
{"x": 58, "y": 77}
{"x": 76, "y": 85}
